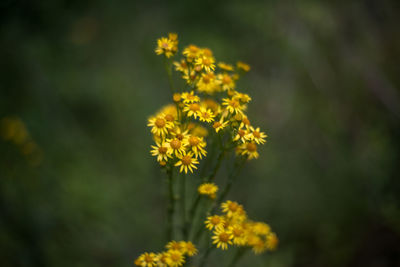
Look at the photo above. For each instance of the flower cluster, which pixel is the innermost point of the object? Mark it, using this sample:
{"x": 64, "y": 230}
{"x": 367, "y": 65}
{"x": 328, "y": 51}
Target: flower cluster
{"x": 234, "y": 228}
{"x": 174, "y": 256}
{"x": 207, "y": 104}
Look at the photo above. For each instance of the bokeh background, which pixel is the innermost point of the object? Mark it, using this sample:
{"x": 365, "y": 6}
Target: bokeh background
{"x": 78, "y": 186}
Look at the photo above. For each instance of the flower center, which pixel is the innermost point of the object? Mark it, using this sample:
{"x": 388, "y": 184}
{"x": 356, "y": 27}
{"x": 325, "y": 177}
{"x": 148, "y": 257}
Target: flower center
{"x": 233, "y": 103}
{"x": 162, "y": 150}
{"x": 175, "y": 257}
{"x": 224, "y": 237}
{"x": 215, "y": 220}
{"x": 148, "y": 258}
{"x": 233, "y": 207}
{"x": 169, "y": 117}
{"x": 160, "y": 123}
{"x": 251, "y": 147}
{"x": 175, "y": 144}
{"x": 256, "y": 134}
{"x": 237, "y": 232}
{"x": 241, "y": 133}
{"x": 206, "y": 61}
{"x": 194, "y": 107}
{"x": 226, "y": 79}
{"x": 206, "y": 79}
{"x": 186, "y": 160}
{"x": 217, "y": 124}
{"x": 194, "y": 141}
{"x": 205, "y": 115}
{"x": 180, "y": 136}
{"x": 246, "y": 121}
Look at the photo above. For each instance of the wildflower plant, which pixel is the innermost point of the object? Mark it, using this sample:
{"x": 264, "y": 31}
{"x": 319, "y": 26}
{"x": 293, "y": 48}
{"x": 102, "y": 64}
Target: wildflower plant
{"x": 205, "y": 124}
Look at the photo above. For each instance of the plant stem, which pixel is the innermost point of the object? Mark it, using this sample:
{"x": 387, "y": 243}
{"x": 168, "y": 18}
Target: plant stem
{"x": 205, "y": 256}
{"x": 183, "y": 205}
{"x": 192, "y": 213}
{"x": 171, "y": 203}
{"x": 168, "y": 69}
{"x": 231, "y": 178}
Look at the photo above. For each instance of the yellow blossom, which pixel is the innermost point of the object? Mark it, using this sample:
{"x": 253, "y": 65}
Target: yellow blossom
{"x": 209, "y": 189}
{"x": 222, "y": 237}
{"x": 186, "y": 161}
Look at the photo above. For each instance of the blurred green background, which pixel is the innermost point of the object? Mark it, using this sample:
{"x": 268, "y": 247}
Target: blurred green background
{"x": 82, "y": 76}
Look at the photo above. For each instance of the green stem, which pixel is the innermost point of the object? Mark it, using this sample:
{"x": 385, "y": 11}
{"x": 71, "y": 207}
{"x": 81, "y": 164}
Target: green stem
{"x": 192, "y": 213}
{"x": 183, "y": 206}
{"x": 171, "y": 203}
{"x": 168, "y": 69}
{"x": 205, "y": 255}
{"x": 231, "y": 178}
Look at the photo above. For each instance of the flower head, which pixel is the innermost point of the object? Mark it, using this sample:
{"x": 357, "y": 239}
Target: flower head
{"x": 187, "y": 161}
{"x": 208, "y": 189}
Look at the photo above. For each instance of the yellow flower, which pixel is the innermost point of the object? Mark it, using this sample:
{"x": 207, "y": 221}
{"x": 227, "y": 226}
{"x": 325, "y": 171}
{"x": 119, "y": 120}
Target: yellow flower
{"x": 206, "y": 63}
{"x": 189, "y": 248}
{"x": 160, "y": 151}
{"x": 167, "y": 46}
{"x": 272, "y": 241}
{"x": 222, "y": 237}
{"x": 244, "y": 98}
{"x": 174, "y": 245}
{"x": 232, "y": 105}
{"x": 190, "y": 97}
{"x": 199, "y": 131}
{"x": 219, "y": 125}
{"x": 257, "y": 136}
{"x": 181, "y": 66}
{"x": 214, "y": 221}
{"x": 261, "y": 228}
{"x": 209, "y": 189}
{"x": 231, "y": 208}
{"x": 159, "y": 125}
{"x": 239, "y": 235}
{"x": 189, "y": 78}
{"x": 249, "y": 149}
{"x": 162, "y": 259}
{"x": 192, "y": 109}
{"x": 175, "y": 258}
{"x": 191, "y": 52}
{"x": 257, "y": 243}
{"x": 245, "y": 123}
{"x": 207, "y": 83}
{"x": 211, "y": 104}
{"x": 226, "y": 81}
{"x": 225, "y": 66}
{"x": 242, "y": 135}
{"x": 187, "y": 162}
{"x": 243, "y": 66}
{"x": 206, "y": 115}
{"x": 176, "y": 146}
{"x": 197, "y": 146}
{"x": 147, "y": 260}
{"x": 181, "y": 135}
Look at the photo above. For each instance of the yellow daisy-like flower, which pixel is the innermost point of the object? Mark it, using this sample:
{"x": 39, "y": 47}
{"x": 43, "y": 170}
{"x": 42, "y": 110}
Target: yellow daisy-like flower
{"x": 219, "y": 125}
{"x": 190, "y": 79}
{"x": 231, "y": 208}
{"x": 181, "y": 135}
{"x": 206, "y": 115}
{"x": 197, "y": 145}
{"x": 187, "y": 161}
{"x": 174, "y": 245}
{"x": 214, "y": 221}
{"x": 189, "y": 248}
{"x": 249, "y": 149}
{"x": 239, "y": 235}
{"x": 176, "y": 146}
{"x": 224, "y": 66}
{"x": 222, "y": 237}
{"x": 181, "y": 66}
{"x": 245, "y": 123}
{"x": 207, "y": 83}
{"x": 162, "y": 259}
{"x": 208, "y": 189}
{"x": 175, "y": 258}
{"x": 257, "y": 136}
{"x": 243, "y": 66}
{"x": 192, "y": 109}
{"x": 258, "y": 245}
{"x": 147, "y": 260}
{"x": 260, "y": 228}
{"x": 206, "y": 63}
{"x": 166, "y": 46}
{"x": 191, "y": 52}
{"x": 211, "y": 104}
{"x": 242, "y": 135}
{"x": 272, "y": 241}
{"x": 160, "y": 151}
{"x": 226, "y": 81}
{"x": 232, "y": 105}
{"x": 244, "y": 98}
{"x": 160, "y": 125}
{"x": 190, "y": 97}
